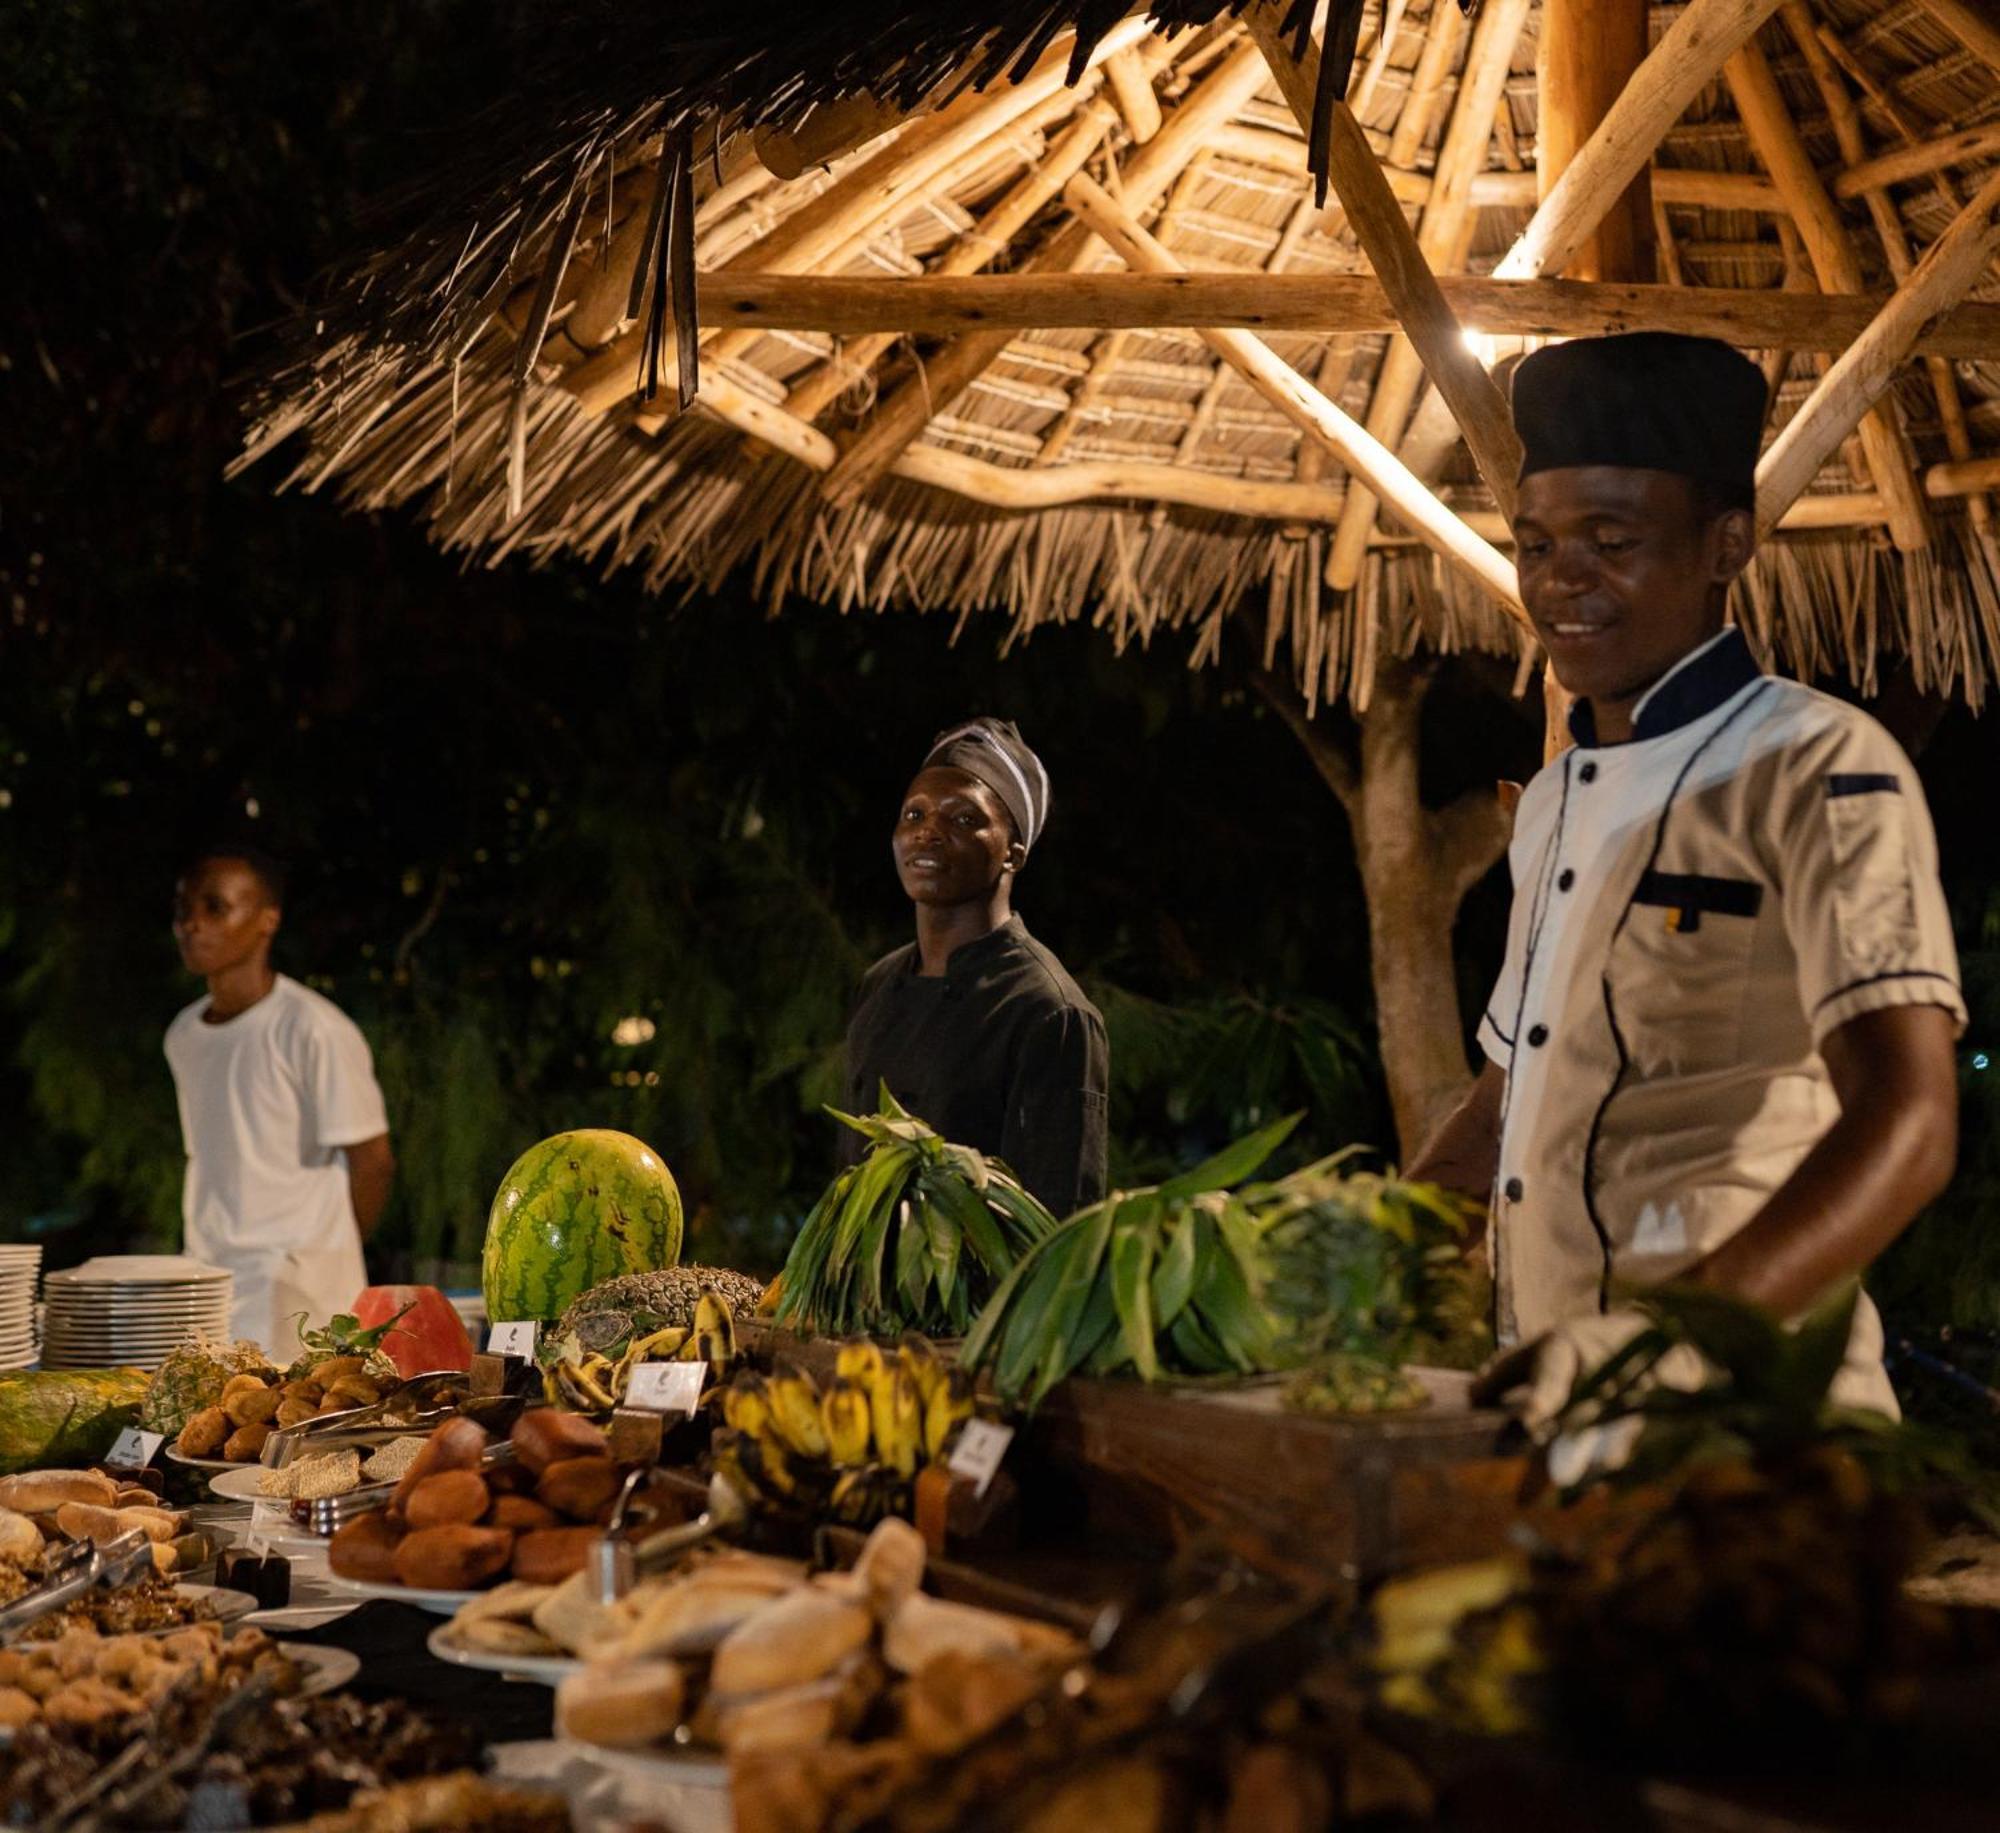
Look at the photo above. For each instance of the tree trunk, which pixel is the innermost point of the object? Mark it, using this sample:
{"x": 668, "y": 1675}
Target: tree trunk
{"x": 1416, "y": 866}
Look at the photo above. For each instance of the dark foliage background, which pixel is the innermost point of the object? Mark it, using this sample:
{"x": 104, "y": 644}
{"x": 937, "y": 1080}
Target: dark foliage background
{"x": 523, "y": 807}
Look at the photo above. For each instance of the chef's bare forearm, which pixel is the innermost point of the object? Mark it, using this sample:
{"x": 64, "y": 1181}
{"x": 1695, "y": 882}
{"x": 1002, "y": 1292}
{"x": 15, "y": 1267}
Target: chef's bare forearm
{"x": 371, "y": 1171}
{"x": 1891, "y": 1152}
{"x": 1463, "y": 1154}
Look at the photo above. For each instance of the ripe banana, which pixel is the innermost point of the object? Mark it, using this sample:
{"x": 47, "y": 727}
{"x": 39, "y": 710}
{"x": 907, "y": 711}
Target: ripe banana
{"x": 948, "y": 1407}
{"x": 746, "y": 1406}
{"x": 794, "y": 1398}
{"x": 927, "y": 1368}
{"x": 844, "y": 1414}
{"x": 859, "y": 1361}
{"x": 898, "y": 1418}
{"x": 714, "y": 1337}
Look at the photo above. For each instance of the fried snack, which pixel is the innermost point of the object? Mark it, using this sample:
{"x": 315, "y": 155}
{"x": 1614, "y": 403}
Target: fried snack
{"x": 550, "y": 1555}
{"x": 365, "y": 1549}
{"x": 205, "y": 1433}
{"x": 334, "y": 1368}
{"x": 240, "y": 1384}
{"x": 623, "y": 1705}
{"x": 252, "y": 1406}
{"x": 42, "y": 1492}
{"x": 354, "y": 1391}
{"x": 801, "y": 1636}
{"x": 521, "y": 1513}
{"x": 579, "y": 1487}
{"x": 458, "y": 1444}
{"x": 546, "y": 1435}
{"x": 246, "y": 1444}
{"x": 448, "y": 1497}
{"x": 456, "y": 1558}
{"x": 295, "y": 1412}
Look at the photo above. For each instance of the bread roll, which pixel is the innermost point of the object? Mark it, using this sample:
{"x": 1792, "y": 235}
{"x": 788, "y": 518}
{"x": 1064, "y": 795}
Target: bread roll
{"x": 42, "y": 1492}
{"x": 579, "y": 1487}
{"x": 502, "y": 1636}
{"x": 455, "y": 1558}
{"x": 685, "y": 1616}
{"x": 20, "y": 1538}
{"x": 570, "y": 1616}
{"x": 623, "y": 1705}
{"x": 784, "y": 1720}
{"x": 793, "y": 1639}
{"x": 925, "y": 1627}
{"x": 445, "y": 1497}
{"x": 550, "y": 1555}
{"x": 890, "y": 1567}
{"x": 365, "y": 1549}
{"x": 458, "y": 1444}
{"x": 511, "y": 1600}
{"x": 521, "y": 1513}
{"x": 547, "y": 1435}
{"x": 85, "y": 1521}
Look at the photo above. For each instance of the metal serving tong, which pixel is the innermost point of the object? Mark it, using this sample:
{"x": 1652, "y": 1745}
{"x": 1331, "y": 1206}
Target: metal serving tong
{"x": 616, "y": 1562}
{"x": 82, "y": 1566}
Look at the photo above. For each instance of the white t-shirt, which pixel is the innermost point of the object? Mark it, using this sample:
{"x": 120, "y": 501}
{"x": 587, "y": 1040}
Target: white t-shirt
{"x": 267, "y": 1099}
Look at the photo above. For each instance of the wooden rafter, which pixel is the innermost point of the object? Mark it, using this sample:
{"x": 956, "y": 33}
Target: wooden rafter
{"x": 1397, "y": 257}
{"x": 1918, "y": 161}
{"x": 1973, "y": 25}
{"x": 897, "y": 422}
{"x": 1288, "y": 391}
{"x": 1852, "y": 140}
{"x": 1950, "y": 267}
{"x": 1775, "y": 137}
{"x": 1443, "y": 238}
{"x": 1687, "y": 58}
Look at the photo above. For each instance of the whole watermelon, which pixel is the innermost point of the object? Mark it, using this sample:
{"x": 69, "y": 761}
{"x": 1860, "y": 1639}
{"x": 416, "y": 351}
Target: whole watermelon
{"x": 573, "y": 1211}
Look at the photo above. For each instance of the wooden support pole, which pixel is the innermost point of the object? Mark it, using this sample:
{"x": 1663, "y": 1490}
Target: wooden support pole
{"x": 1953, "y": 264}
{"x": 1753, "y": 318}
{"x": 1443, "y": 237}
{"x": 828, "y": 130}
{"x": 1772, "y": 132}
{"x": 1132, "y": 85}
{"x": 897, "y": 422}
{"x": 1398, "y": 261}
{"x": 1586, "y": 52}
{"x": 1687, "y": 58}
{"x": 1281, "y": 385}
{"x": 1963, "y": 477}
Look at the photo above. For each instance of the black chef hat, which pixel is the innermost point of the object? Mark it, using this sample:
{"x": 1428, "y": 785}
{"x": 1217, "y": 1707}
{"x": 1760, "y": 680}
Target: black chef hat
{"x": 1650, "y": 401}
{"x": 994, "y": 752}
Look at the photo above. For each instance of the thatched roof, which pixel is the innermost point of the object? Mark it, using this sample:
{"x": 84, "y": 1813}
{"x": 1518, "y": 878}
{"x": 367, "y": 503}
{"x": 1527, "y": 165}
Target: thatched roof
{"x": 487, "y": 367}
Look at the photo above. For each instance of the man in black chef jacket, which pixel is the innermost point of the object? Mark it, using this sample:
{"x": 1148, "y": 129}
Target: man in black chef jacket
{"x": 975, "y": 1026}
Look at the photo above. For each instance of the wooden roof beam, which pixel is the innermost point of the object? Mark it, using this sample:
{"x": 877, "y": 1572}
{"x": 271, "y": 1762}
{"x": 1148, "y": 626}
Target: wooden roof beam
{"x": 1688, "y": 57}
{"x": 1974, "y": 27}
{"x": 1775, "y": 138}
{"x": 849, "y": 305}
{"x": 1443, "y": 238}
{"x": 947, "y": 373}
{"x": 1394, "y": 252}
{"x": 1281, "y": 385}
{"x": 1952, "y": 265}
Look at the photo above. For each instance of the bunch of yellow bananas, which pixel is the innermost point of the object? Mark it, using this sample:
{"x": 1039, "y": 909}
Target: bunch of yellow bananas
{"x": 587, "y": 1382}
{"x": 849, "y": 1449}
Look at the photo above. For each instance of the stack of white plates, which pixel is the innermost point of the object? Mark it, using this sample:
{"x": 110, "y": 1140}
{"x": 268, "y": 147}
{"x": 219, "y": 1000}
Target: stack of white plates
{"x": 130, "y": 1310}
{"x": 18, "y": 1267}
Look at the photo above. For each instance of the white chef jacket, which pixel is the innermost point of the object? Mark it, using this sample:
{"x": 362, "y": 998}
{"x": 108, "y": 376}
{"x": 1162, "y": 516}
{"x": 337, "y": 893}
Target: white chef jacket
{"x": 1694, "y": 911}
{"x": 267, "y": 1100}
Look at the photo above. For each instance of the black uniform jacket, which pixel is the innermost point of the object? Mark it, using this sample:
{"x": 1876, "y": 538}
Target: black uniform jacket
{"x": 1003, "y": 1053}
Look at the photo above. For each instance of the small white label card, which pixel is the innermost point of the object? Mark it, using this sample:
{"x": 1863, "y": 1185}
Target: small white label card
{"x": 982, "y": 1443}
{"x": 133, "y": 1449}
{"x": 516, "y": 1339}
{"x": 666, "y": 1387}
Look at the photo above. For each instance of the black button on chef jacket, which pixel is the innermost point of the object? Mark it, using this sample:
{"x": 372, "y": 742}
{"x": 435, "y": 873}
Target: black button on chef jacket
{"x": 1002, "y": 1053}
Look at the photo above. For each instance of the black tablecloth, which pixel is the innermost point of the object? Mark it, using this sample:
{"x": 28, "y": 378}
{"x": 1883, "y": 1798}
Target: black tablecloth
{"x": 395, "y": 1664}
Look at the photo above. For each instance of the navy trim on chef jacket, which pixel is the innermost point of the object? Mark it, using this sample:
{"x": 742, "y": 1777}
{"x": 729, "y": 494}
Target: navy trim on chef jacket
{"x": 1691, "y": 895}
{"x": 1617, "y": 1036}
{"x": 1869, "y": 980}
{"x": 1685, "y": 693}
{"x": 1862, "y": 783}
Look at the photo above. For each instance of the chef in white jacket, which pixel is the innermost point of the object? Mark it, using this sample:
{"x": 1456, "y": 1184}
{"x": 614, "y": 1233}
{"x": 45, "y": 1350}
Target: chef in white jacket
{"x": 287, "y": 1138}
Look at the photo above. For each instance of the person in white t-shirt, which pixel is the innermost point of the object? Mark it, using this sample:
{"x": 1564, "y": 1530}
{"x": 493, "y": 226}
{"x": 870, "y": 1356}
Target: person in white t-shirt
{"x": 287, "y": 1138}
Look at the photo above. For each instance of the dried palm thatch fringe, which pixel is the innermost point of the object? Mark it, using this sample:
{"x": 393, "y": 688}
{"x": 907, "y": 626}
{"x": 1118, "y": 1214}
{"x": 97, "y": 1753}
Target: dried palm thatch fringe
{"x": 477, "y": 367}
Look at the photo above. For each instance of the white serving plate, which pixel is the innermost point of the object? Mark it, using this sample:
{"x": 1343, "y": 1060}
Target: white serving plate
{"x": 696, "y": 1767}
{"x": 205, "y": 1463}
{"x": 442, "y": 1603}
{"x": 325, "y": 1668}
{"x": 238, "y": 1483}
{"x": 547, "y": 1669}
